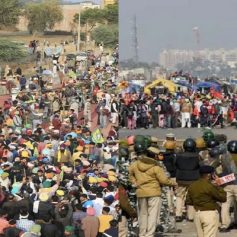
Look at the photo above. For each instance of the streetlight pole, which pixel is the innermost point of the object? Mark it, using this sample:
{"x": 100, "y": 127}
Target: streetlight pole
{"x": 79, "y": 31}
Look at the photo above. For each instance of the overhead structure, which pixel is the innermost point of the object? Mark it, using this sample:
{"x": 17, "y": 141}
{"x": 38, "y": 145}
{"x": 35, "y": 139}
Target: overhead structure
{"x": 160, "y": 82}
{"x": 135, "y": 40}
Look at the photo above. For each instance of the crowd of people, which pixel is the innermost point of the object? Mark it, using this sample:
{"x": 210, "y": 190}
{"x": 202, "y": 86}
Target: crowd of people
{"x": 162, "y": 183}
{"x": 193, "y": 109}
{"x": 58, "y": 172}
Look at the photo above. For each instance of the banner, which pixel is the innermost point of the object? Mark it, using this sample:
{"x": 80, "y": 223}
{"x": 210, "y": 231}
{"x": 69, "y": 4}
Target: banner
{"x": 97, "y": 136}
{"x": 226, "y": 179}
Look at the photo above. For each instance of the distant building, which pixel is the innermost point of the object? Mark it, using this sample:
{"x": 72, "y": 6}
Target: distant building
{"x": 108, "y": 2}
{"x": 69, "y": 10}
{"x": 170, "y": 58}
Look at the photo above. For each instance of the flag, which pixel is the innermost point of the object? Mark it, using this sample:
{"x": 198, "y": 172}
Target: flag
{"x": 97, "y": 136}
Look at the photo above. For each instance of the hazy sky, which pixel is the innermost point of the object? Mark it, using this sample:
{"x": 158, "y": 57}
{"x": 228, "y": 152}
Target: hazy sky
{"x": 169, "y": 23}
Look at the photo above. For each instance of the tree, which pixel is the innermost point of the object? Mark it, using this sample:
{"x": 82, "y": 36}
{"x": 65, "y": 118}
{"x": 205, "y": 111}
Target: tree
{"x": 111, "y": 14}
{"x": 90, "y": 17}
{"x": 108, "y": 34}
{"x": 11, "y": 51}
{"x": 9, "y": 13}
{"x": 92, "y": 20}
{"x": 43, "y": 16}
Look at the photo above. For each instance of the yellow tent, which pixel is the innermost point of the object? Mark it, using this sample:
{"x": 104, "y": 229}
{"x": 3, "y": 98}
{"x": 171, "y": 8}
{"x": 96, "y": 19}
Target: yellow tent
{"x": 163, "y": 82}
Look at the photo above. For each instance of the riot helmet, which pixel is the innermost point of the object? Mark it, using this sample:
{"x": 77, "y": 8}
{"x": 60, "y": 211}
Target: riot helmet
{"x": 232, "y": 146}
{"x": 189, "y": 145}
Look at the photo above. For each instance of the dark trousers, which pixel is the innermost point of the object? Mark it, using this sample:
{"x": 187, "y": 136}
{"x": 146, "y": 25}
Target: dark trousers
{"x": 154, "y": 118}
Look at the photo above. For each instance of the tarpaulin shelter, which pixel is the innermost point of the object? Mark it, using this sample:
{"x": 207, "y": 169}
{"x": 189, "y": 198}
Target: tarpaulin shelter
{"x": 161, "y": 82}
{"x": 208, "y": 85}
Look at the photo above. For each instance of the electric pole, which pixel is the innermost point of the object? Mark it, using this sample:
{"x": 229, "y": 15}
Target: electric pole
{"x": 79, "y": 31}
{"x": 135, "y": 40}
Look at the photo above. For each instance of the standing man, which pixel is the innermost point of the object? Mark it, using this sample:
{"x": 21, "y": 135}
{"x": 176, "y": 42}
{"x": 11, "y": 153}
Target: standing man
{"x": 114, "y": 110}
{"x": 186, "y": 111}
{"x": 187, "y": 171}
{"x": 87, "y": 111}
{"x": 147, "y": 177}
{"x": 203, "y": 195}
{"x": 229, "y": 166}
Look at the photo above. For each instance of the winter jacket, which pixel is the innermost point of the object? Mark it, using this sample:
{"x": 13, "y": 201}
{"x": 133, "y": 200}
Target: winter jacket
{"x": 147, "y": 176}
{"x": 187, "y": 167}
{"x": 67, "y": 220}
{"x": 45, "y": 211}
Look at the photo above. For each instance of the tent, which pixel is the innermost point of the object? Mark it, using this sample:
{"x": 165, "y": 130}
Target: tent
{"x": 160, "y": 82}
{"x": 208, "y": 85}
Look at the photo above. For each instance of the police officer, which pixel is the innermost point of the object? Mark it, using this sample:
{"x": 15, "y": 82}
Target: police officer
{"x": 187, "y": 171}
{"x": 203, "y": 195}
{"x": 127, "y": 211}
{"x": 169, "y": 159}
{"x": 229, "y": 164}
{"x": 205, "y": 155}
{"x": 148, "y": 177}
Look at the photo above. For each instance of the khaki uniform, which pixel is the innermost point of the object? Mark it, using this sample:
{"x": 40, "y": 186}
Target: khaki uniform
{"x": 231, "y": 190}
{"x": 203, "y": 195}
{"x": 147, "y": 176}
{"x": 181, "y": 193}
{"x": 127, "y": 212}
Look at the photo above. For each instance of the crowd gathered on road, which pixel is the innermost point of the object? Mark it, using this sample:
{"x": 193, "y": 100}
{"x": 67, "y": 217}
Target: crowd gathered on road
{"x": 59, "y": 149}
{"x": 170, "y": 181}
{"x": 189, "y": 108}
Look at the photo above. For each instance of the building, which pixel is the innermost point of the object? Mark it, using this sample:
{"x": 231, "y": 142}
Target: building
{"x": 69, "y": 10}
{"x": 170, "y": 58}
{"x": 108, "y": 2}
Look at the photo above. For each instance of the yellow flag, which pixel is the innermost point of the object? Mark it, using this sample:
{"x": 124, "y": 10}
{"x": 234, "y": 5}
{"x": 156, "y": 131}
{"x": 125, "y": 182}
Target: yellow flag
{"x": 97, "y": 136}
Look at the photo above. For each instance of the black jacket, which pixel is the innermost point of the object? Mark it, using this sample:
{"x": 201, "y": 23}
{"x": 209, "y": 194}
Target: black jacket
{"x": 51, "y": 230}
{"x": 187, "y": 167}
{"x": 45, "y": 211}
{"x": 169, "y": 162}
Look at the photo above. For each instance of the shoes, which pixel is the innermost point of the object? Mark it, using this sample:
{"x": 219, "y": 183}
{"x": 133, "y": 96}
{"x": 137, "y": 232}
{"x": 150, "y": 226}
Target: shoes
{"x": 179, "y": 218}
{"x": 224, "y": 230}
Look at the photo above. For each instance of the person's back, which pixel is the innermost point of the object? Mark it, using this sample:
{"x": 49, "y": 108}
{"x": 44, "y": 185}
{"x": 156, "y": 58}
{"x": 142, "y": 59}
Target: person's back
{"x": 203, "y": 197}
{"x": 105, "y": 219}
{"x": 11, "y": 207}
{"x": 90, "y": 224}
{"x": 113, "y": 230}
{"x": 187, "y": 166}
{"x": 64, "y": 215}
{"x": 147, "y": 176}
{"x": 45, "y": 211}
{"x": 49, "y": 229}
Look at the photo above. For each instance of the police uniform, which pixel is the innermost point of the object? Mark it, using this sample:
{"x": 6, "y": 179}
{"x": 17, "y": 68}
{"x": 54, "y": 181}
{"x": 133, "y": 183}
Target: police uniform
{"x": 187, "y": 171}
{"x": 229, "y": 165}
{"x": 147, "y": 176}
{"x": 203, "y": 195}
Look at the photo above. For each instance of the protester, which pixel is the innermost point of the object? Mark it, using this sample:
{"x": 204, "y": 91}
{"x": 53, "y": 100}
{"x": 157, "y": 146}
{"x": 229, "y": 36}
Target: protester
{"x": 57, "y": 169}
{"x": 160, "y": 107}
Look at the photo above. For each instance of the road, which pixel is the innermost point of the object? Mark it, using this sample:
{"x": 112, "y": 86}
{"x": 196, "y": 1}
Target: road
{"x": 180, "y": 133}
{"x": 188, "y": 229}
